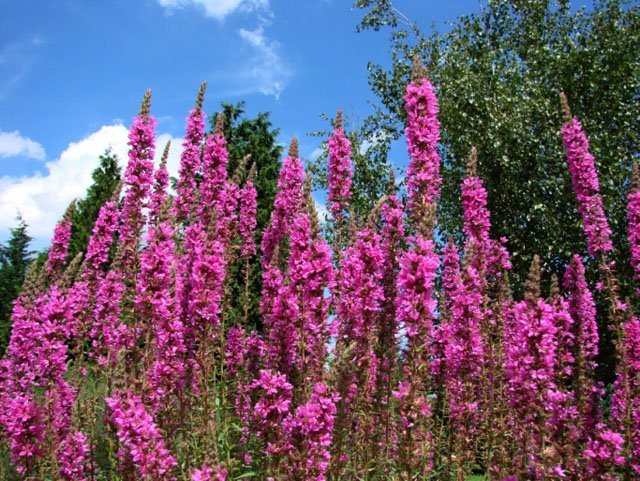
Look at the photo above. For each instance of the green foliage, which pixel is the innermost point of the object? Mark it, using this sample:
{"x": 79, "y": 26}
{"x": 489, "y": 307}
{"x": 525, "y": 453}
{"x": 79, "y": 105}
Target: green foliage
{"x": 498, "y": 75}
{"x": 257, "y": 138}
{"x": 14, "y": 260}
{"x": 105, "y": 179}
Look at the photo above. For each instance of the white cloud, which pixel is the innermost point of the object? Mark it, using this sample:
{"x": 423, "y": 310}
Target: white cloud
{"x": 266, "y": 71}
{"x": 13, "y": 144}
{"x": 42, "y": 199}
{"x": 217, "y": 9}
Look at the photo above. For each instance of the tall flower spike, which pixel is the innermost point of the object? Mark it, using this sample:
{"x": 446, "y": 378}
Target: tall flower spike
{"x": 214, "y": 175}
{"x": 60, "y": 244}
{"x": 475, "y": 214}
{"x": 138, "y": 178}
{"x": 423, "y": 133}
{"x": 157, "y": 304}
{"x": 582, "y": 309}
{"x": 161, "y": 182}
{"x": 339, "y": 177}
{"x": 248, "y": 211}
{"x": 102, "y": 236}
{"x": 288, "y": 202}
{"x": 142, "y": 442}
{"x": 190, "y": 164}
{"x": 416, "y": 308}
{"x": 633, "y": 217}
{"x": 625, "y": 405}
{"x": 585, "y": 186}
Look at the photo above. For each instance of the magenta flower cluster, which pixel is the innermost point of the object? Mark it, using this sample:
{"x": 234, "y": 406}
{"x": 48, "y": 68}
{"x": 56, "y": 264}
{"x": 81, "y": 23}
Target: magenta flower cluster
{"x": 378, "y": 354}
{"x": 585, "y": 185}
{"x": 143, "y": 445}
{"x": 423, "y": 133}
{"x": 339, "y": 176}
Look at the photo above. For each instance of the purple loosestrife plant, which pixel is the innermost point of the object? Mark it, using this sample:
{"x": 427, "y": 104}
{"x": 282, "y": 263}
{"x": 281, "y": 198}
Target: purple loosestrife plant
{"x": 74, "y": 458}
{"x": 423, "y": 133}
{"x": 339, "y": 176}
{"x": 57, "y": 258}
{"x": 143, "y": 447}
{"x": 138, "y": 179}
{"x": 308, "y": 433}
{"x": 582, "y": 308}
{"x": 415, "y": 307}
{"x": 101, "y": 240}
{"x": 248, "y": 200}
{"x": 212, "y": 189}
{"x": 190, "y": 163}
{"x": 156, "y": 303}
{"x": 625, "y": 405}
{"x": 310, "y": 274}
{"x": 633, "y": 217}
{"x": 288, "y": 202}
{"x": 584, "y": 179}
{"x": 160, "y": 185}
{"x": 209, "y": 474}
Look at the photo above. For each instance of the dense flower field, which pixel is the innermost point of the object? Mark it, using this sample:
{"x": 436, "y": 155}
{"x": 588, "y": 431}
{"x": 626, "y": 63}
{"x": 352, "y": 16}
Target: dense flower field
{"x": 379, "y": 357}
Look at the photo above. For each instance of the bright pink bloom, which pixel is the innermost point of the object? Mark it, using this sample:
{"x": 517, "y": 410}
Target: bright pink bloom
{"x": 339, "y": 177}
{"x": 190, "y": 164}
{"x": 102, "y": 238}
{"x": 159, "y": 191}
{"x": 214, "y": 178}
{"x": 474, "y": 208}
{"x": 141, "y": 440}
{"x": 288, "y": 203}
{"x": 423, "y": 133}
{"x": 415, "y": 307}
{"x": 74, "y": 458}
{"x": 247, "y": 225}
{"x": 209, "y": 474}
{"x": 605, "y": 453}
{"x": 24, "y": 429}
{"x": 138, "y": 178}
{"x": 59, "y": 248}
{"x": 585, "y": 185}
{"x": 206, "y": 281}
{"x": 358, "y": 309}
{"x": 633, "y": 216}
{"x": 280, "y": 311}
{"x": 308, "y": 433}
{"x": 583, "y": 311}
{"x": 110, "y": 335}
{"x": 273, "y": 392}
{"x": 310, "y": 275}
{"x": 625, "y": 405}
{"x": 156, "y": 304}
{"x": 415, "y": 303}
{"x": 392, "y": 235}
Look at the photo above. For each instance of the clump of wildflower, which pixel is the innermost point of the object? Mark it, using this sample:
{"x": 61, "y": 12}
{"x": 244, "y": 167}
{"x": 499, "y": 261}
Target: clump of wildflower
{"x": 308, "y": 433}
{"x": 142, "y": 443}
{"x": 190, "y": 164}
{"x": 288, "y": 202}
{"x": 60, "y": 245}
{"x": 339, "y": 176}
{"x": 423, "y": 133}
{"x": 209, "y": 474}
{"x": 585, "y": 185}
{"x": 138, "y": 177}
{"x": 248, "y": 210}
{"x": 74, "y": 458}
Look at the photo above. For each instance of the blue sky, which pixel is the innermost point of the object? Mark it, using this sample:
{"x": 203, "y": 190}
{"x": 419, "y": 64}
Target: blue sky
{"x": 72, "y": 73}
